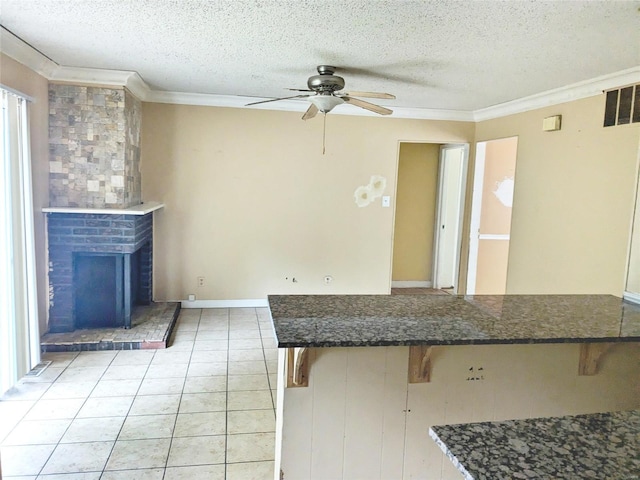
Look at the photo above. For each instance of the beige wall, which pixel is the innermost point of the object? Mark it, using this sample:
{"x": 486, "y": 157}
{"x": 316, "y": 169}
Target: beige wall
{"x": 573, "y": 199}
{"x": 493, "y": 261}
{"x": 416, "y": 195}
{"x": 18, "y": 77}
{"x": 251, "y": 200}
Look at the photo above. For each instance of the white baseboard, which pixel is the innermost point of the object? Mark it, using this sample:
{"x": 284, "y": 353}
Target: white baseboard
{"x": 411, "y": 284}
{"x": 632, "y": 297}
{"x": 244, "y": 303}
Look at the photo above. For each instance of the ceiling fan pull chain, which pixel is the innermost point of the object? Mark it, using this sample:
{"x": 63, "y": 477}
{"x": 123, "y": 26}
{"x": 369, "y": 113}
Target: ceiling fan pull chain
{"x": 324, "y": 130}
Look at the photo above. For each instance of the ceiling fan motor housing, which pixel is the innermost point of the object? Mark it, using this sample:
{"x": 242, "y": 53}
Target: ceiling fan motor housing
{"x": 326, "y": 82}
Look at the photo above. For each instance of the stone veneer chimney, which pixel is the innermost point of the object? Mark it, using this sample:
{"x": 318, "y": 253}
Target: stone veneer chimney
{"x": 94, "y": 145}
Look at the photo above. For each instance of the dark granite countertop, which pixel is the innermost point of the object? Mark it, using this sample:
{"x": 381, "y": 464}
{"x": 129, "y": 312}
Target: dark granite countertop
{"x": 380, "y": 320}
{"x": 597, "y": 446}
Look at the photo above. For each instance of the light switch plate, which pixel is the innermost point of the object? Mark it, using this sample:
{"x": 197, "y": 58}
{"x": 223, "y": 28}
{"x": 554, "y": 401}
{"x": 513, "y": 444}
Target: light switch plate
{"x": 552, "y": 124}
{"x": 386, "y": 201}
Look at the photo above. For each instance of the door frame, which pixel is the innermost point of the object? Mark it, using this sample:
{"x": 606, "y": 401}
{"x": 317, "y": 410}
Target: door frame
{"x": 474, "y": 222}
{"x": 441, "y": 206}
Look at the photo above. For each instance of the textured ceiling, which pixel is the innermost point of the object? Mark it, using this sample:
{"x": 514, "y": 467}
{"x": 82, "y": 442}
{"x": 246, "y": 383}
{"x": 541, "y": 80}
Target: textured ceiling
{"x": 459, "y": 55}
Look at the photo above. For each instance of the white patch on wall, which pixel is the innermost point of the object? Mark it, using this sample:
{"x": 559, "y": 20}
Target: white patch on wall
{"x": 366, "y": 194}
{"x": 363, "y": 196}
{"x": 55, "y": 167}
{"x": 378, "y": 184}
{"x": 504, "y": 191}
{"x": 110, "y": 197}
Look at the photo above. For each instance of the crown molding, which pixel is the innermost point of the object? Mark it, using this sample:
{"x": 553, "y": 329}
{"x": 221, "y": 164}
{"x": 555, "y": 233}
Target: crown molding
{"x": 230, "y": 101}
{"x": 95, "y": 76}
{"x": 24, "y": 53}
{"x": 568, "y": 93}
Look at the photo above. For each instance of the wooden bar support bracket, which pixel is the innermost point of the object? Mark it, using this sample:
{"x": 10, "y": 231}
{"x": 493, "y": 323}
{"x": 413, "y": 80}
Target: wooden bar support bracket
{"x": 420, "y": 364}
{"x": 590, "y": 356}
{"x": 298, "y": 365}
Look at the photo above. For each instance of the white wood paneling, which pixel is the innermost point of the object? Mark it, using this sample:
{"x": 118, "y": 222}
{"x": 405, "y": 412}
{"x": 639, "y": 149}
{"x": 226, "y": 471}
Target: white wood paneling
{"x": 395, "y": 406}
{"x": 297, "y": 432}
{"x": 364, "y": 413}
{"x": 426, "y": 404}
{"x": 350, "y": 422}
{"x": 329, "y": 385}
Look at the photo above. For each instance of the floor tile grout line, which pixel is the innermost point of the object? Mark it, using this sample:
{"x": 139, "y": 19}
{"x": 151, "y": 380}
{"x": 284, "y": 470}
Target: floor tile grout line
{"x": 184, "y": 382}
{"x": 104, "y": 468}
{"x": 264, "y": 356}
{"x": 226, "y": 406}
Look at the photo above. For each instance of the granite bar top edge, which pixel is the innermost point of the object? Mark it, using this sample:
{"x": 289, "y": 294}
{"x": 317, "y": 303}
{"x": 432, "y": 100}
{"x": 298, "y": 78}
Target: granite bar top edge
{"x": 456, "y": 462}
{"x": 442, "y": 320}
{"x": 603, "y": 443}
{"x": 457, "y": 342}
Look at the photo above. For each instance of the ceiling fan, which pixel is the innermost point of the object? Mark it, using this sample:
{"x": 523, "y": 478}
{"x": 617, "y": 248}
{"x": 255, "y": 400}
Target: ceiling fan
{"x": 324, "y": 94}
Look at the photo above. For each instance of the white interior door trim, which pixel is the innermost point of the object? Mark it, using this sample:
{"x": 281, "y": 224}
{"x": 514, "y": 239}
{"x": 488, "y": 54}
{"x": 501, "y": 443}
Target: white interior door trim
{"x": 476, "y": 208}
{"x": 441, "y": 208}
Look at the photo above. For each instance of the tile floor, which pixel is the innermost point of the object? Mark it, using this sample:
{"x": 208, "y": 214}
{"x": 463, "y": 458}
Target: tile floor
{"x": 201, "y": 409}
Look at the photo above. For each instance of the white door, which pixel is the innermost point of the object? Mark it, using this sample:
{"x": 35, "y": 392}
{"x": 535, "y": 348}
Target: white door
{"x": 448, "y": 228}
{"x": 490, "y": 229}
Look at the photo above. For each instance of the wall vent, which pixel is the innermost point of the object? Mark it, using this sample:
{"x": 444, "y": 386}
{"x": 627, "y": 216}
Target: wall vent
{"x": 622, "y": 106}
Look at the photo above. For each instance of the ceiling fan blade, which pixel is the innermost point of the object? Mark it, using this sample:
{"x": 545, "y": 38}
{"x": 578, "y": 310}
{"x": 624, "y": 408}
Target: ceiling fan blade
{"x": 300, "y": 90}
{"x": 370, "y": 95}
{"x": 367, "y": 106}
{"x": 276, "y": 99}
{"x": 311, "y": 112}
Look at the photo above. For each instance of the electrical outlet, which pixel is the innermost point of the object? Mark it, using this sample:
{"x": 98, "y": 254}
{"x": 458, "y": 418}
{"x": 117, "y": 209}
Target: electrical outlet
{"x": 200, "y": 281}
{"x": 192, "y": 297}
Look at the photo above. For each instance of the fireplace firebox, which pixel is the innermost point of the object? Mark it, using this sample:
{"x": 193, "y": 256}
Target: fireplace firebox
{"x": 106, "y": 287}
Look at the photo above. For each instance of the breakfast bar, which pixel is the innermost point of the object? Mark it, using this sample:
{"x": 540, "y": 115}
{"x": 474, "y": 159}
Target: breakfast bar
{"x": 362, "y": 378}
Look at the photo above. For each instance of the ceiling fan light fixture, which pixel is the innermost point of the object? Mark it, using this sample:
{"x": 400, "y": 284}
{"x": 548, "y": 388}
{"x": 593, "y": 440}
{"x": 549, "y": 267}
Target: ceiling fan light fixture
{"x": 326, "y": 103}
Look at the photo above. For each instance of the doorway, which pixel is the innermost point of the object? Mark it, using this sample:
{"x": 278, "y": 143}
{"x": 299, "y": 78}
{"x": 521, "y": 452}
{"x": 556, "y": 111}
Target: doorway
{"x": 429, "y": 202}
{"x": 490, "y": 228}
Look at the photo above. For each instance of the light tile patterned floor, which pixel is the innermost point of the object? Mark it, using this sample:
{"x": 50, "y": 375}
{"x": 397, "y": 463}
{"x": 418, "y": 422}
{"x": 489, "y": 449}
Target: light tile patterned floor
{"x": 201, "y": 409}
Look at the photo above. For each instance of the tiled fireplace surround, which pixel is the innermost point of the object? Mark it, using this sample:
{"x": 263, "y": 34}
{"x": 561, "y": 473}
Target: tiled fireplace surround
{"x": 94, "y": 177}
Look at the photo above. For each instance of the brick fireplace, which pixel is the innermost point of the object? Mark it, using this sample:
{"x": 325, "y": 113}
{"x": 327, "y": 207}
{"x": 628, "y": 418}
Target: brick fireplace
{"x": 99, "y": 233}
{"x": 99, "y": 268}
